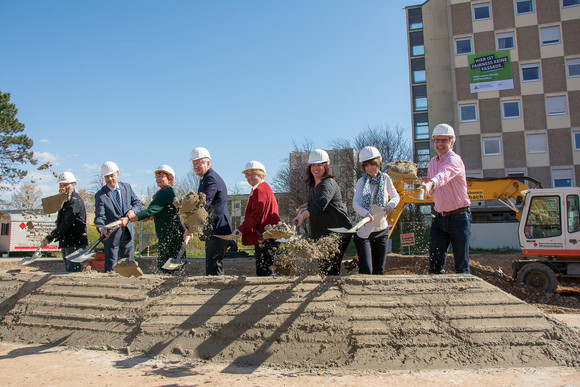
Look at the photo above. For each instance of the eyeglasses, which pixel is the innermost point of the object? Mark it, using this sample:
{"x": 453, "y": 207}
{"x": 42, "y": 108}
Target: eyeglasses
{"x": 441, "y": 139}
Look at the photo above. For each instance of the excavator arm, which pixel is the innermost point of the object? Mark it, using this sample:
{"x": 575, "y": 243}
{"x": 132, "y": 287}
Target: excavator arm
{"x": 506, "y": 190}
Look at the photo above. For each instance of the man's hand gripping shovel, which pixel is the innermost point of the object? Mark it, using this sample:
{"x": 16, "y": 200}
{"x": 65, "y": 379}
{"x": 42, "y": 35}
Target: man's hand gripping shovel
{"x": 177, "y": 262}
{"x": 81, "y": 255}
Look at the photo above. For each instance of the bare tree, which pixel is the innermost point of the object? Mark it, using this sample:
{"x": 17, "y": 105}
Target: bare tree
{"x": 189, "y": 183}
{"x": 27, "y": 197}
{"x": 98, "y": 181}
{"x": 390, "y": 142}
{"x": 89, "y": 200}
{"x": 290, "y": 181}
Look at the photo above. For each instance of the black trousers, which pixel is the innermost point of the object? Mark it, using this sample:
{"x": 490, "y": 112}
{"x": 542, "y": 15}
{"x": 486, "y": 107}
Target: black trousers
{"x": 372, "y": 252}
{"x": 215, "y": 250}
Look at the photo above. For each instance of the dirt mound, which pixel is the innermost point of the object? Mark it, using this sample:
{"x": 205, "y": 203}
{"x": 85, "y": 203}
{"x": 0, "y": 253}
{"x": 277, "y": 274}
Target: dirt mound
{"x": 358, "y": 322}
{"x": 405, "y": 171}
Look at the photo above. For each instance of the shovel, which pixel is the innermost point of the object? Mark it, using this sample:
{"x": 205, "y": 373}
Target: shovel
{"x": 177, "y": 262}
{"x": 294, "y": 236}
{"x": 81, "y": 255}
{"x": 26, "y": 260}
{"x": 353, "y": 229}
{"x": 285, "y": 240}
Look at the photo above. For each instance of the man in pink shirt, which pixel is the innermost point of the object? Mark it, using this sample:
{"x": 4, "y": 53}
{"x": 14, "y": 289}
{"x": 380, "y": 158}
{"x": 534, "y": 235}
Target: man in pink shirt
{"x": 447, "y": 183}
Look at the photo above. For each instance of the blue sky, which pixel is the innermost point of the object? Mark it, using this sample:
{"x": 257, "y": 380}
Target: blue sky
{"x": 144, "y": 82}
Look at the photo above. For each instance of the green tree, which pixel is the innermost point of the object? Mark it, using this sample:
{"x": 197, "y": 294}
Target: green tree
{"x": 15, "y": 147}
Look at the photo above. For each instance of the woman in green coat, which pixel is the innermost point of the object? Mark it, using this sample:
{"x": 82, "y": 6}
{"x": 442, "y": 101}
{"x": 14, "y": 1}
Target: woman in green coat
{"x": 168, "y": 226}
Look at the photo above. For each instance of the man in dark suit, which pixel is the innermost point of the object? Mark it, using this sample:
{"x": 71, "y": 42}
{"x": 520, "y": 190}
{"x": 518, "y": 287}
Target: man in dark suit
{"x": 219, "y": 221}
{"x": 112, "y": 202}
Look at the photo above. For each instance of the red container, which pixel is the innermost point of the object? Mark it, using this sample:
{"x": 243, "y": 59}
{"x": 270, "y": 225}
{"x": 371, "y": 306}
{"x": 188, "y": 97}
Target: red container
{"x": 98, "y": 263}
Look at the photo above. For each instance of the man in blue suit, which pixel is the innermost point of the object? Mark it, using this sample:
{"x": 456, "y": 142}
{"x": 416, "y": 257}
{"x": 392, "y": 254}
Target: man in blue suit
{"x": 219, "y": 221}
{"x": 112, "y": 202}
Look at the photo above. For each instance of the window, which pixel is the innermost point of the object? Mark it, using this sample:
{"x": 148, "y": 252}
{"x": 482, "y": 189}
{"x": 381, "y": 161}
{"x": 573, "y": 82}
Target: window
{"x": 463, "y": 46}
{"x": 543, "y": 220}
{"x": 415, "y": 18}
{"x": 418, "y": 70}
{"x": 417, "y": 44}
{"x": 537, "y": 143}
{"x": 550, "y": 35}
{"x": 422, "y": 157}
{"x": 573, "y": 209}
{"x": 419, "y": 98}
{"x": 491, "y": 146}
{"x": 556, "y": 105}
{"x": 573, "y": 66}
{"x": 335, "y": 158}
{"x": 481, "y": 11}
{"x": 421, "y": 126}
{"x": 5, "y": 229}
{"x": 576, "y": 140}
{"x": 505, "y": 41}
{"x": 570, "y": 3}
{"x": 562, "y": 177}
{"x": 524, "y": 6}
{"x": 467, "y": 113}
{"x": 511, "y": 109}
{"x": 530, "y": 72}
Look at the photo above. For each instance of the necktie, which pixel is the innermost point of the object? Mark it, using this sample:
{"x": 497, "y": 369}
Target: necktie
{"x": 118, "y": 197}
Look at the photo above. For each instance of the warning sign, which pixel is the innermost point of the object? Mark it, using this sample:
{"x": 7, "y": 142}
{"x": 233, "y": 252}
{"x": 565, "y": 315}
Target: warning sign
{"x": 408, "y": 239}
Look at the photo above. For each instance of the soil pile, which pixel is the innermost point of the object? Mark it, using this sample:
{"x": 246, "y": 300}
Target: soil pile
{"x": 405, "y": 171}
{"x": 358, "y": 322}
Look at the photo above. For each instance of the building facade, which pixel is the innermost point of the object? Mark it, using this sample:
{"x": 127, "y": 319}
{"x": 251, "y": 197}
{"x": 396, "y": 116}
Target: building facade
{"x": 532, "y": 129}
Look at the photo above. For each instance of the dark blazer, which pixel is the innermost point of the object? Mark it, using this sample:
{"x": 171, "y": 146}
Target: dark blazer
{"x": 107, "y": 210}
{"x": 216, "y": 196}
{"x": 71, "y": 223}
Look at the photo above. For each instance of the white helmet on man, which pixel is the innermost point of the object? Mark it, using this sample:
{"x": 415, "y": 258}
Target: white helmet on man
{"x": 444, "y": 130}
{"x": 254, "y": 165}
{"x": 165, "y": 168}
{"x": 108, "y": 168}
{"x": 66, "y": 178}
{"x": 199, "y": 153}
{"x": 368, "y": 153}
{"x": 318, "y": 156}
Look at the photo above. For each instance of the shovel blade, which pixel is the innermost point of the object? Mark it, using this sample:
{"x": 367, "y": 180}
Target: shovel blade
{"x": 81, "y": 257}
{"x": 26, "y": 260}
{"x": 342, "y": 230}
{"x": 172, "y": 264}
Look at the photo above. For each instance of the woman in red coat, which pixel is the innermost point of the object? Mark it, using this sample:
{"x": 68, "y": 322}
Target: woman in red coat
{"x": 262, "y": 210}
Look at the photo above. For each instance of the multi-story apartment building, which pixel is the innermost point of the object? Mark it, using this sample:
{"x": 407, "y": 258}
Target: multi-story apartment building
{"x": 532, "y": 129}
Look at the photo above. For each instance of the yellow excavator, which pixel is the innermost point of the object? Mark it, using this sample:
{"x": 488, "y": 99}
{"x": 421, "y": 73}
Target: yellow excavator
{"x": 549, "y": 225}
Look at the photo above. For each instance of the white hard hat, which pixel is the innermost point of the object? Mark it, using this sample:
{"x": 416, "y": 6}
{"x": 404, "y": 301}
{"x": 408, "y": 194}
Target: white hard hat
{"x": 254, "y": 165}
{"x": 165, "y": 168}
{"x": 67, "y": 177}
{"x": 318, "y": 156}
{"x": 108, "y": 168}
{"x": 443, "y": 130}
{"x": 368, "y": 153}
{"x": 199, "y": 153}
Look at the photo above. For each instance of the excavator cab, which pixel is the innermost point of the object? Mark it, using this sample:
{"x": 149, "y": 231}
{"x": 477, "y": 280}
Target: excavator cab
{"x": 550, "y": 223}
{"x": 550, "y": 229}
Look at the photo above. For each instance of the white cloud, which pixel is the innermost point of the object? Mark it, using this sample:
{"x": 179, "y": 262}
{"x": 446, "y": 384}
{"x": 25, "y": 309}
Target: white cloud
{"x": 91, "y": 167}
{"x": 43, "y": 157}
{"x": 44, "y": 140}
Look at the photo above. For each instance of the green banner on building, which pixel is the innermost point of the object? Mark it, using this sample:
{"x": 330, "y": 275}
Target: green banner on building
{"x": 490, "y": 71}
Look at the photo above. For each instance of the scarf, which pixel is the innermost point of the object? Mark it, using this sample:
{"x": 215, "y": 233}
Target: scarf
{"x": 379, "y": 193}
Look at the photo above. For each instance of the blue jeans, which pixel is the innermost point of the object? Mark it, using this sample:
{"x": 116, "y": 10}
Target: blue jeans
{"x": 68, "y": 265}
{"x": 445, "y": 230}
{"x": 372, "y": 252}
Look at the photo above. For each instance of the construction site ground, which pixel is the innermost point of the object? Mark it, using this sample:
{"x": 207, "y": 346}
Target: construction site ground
{"x": 93, "y": 328}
